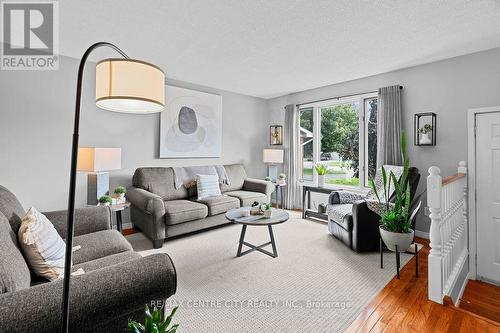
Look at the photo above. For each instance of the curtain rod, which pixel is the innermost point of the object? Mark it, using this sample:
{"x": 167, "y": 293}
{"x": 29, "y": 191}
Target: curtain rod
{"x": 339, "y": 97}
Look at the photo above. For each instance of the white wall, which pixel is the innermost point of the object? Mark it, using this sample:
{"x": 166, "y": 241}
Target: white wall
{"x": 447, "y": 87}
{"x": 36, "y": 126}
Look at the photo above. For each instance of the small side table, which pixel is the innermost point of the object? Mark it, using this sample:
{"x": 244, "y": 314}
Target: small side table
{"x": 280, "y": 195}
{"x": 117, "y": 209}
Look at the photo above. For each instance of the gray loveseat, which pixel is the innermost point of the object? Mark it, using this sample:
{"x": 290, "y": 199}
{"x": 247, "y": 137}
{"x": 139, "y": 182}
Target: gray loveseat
{"x": 116, "y": 284}
{"x": 161, "y": 211}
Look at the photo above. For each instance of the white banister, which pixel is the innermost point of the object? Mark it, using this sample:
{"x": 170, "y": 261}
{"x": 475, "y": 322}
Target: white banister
{"x": 447, "y": 201}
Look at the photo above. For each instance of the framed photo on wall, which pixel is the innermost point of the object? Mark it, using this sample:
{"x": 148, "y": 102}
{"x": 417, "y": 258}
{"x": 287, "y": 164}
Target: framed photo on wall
{"x": 276, "y": 135}
{"x": 425, "y": 129}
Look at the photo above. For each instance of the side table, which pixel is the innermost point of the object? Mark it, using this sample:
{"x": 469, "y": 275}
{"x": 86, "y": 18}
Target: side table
{"x": 280, "y": 195}
{"x": 117, "y": 209}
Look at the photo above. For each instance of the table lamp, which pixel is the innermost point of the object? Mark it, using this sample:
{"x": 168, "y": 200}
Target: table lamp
{"x": 96, "y": 161}
{"x": 272, "y": 157}
{"x": 122, "y": 85}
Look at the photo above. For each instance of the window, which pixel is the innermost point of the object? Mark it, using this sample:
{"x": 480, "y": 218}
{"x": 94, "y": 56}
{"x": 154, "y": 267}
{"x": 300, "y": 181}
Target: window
{"x": 341, "y": 133}
{"x": 306, "y": 143}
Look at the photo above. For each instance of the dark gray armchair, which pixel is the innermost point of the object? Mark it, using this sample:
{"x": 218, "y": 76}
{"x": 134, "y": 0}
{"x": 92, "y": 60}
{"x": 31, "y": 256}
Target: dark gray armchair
{"x": 115, "y": 286}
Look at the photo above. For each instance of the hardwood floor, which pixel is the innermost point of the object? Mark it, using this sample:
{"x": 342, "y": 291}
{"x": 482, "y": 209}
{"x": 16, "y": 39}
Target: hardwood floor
{"x": 482, "y": 299}
{"x": 402, "y": 306}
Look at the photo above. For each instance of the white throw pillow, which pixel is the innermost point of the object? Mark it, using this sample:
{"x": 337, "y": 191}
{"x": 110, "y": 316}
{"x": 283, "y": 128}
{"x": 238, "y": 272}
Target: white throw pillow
{"x": 42, "y": 246}
{"x": 208, "y": 186}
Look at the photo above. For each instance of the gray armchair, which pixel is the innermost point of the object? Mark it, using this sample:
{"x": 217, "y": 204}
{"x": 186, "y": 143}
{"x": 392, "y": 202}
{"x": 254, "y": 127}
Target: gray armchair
{"x": 115, "y": 286}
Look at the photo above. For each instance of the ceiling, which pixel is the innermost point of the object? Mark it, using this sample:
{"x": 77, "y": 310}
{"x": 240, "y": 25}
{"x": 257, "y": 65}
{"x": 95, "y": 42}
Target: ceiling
{"x": 269, "y": 48}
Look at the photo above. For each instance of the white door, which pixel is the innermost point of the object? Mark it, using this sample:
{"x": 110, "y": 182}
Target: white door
{"x": 488, "y": 196}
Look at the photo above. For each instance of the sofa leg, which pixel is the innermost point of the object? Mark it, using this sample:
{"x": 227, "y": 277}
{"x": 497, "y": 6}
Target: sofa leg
{"x": 158, "y": 243}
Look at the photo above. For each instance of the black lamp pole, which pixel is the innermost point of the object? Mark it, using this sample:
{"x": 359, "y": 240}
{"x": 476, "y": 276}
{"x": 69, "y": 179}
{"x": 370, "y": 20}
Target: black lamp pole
{"x": 72, "y": 180}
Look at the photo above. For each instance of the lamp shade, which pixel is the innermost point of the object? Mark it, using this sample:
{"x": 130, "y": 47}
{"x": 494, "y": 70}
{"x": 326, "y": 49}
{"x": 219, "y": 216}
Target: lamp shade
{"x": 272, "y": 155}
{"x": 129, "y": 86}
{"x": 99, "y": 159}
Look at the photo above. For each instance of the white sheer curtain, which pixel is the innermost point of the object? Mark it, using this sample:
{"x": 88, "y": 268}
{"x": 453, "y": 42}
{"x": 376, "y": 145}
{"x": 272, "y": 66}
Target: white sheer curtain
{"x": 291, "y": 145}
{"x": 389, "y": 126}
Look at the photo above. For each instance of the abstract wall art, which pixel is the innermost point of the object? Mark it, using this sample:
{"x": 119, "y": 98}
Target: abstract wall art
{"x": 191, "y": 124}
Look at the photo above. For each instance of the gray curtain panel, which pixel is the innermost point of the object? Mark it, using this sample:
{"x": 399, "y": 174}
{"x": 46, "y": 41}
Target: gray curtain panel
{"x": 389, "y": 126}
{"x": 291, "y": 144}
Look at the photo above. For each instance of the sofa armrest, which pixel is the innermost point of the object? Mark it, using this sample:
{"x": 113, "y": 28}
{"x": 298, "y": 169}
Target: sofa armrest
{"x": 258, "y": 185}
{"x": 97, "y": 297}
{"x": 365, "y": 231}
{"x": 146, "y": 201}
{"x": 87, "y": 220}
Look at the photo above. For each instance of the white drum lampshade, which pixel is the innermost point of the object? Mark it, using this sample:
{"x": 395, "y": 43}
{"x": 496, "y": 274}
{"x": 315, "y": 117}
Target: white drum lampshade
{"x": 129, "y": 86}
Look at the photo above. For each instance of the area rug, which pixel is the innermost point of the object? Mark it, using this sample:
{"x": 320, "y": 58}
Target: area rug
{"x": 316, "y": 284}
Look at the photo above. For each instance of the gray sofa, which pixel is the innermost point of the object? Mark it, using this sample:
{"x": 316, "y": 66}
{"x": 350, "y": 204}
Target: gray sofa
{"x": 116, "y": 284}
{"x": 161, "y": 211}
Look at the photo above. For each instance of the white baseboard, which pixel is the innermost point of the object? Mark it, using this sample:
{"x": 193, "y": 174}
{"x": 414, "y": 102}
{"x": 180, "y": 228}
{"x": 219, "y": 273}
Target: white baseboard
{"x": 421, "y": 234}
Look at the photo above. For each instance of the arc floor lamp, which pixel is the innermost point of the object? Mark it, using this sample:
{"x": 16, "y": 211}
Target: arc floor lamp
{"x": 122, "y": 85}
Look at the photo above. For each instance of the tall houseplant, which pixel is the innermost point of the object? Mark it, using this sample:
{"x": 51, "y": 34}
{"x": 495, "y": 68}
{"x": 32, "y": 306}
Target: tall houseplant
{"x": 395, "y": 221}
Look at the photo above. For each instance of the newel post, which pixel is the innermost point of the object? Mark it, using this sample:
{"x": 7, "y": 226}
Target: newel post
{"x": 435, "y": 272}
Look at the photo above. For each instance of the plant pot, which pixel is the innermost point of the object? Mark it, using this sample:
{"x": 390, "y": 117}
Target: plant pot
{"x": 402, "y": 240}
{"x": 425, "y": 138}
{"x": 104, "y": 204}
{"x": 281, "y": 181}
{"x": 268, "y": 213}
{"x": 321, "y": 180}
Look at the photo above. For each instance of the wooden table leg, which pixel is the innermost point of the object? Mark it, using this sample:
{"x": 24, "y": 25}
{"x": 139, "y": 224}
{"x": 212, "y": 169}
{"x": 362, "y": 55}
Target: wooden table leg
{"x": 397, "y": 260}
{"x": 273, "y": 243}
{"x": 416, "y": 259}
{"x": 119, "y": 220}
{"x": 242, "y": 239}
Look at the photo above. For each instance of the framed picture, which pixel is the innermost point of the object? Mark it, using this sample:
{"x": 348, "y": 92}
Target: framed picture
{"x": 425, "y": 129}
{"x": 276, "y": 135}
{"x": 191, "y": 124}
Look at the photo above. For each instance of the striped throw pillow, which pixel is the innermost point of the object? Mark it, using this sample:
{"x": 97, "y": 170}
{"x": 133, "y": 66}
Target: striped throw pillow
{"x": 208, "y": 186}
{"x": 42, "y": 246}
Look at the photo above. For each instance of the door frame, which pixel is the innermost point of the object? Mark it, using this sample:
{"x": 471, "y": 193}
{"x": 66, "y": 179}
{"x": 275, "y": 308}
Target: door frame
{"x": 471, "y": 181}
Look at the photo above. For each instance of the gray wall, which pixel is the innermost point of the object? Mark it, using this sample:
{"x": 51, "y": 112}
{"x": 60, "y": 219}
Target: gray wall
{"x": 36, "y": 125}
{"x": 448, "y": 88}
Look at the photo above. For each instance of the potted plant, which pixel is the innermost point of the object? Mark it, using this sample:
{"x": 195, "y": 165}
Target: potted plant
{"x": 321, "y": 171}
{"x": 120, "y": 193}
{"x": 281, "y": 179}
{"x": 268, "y": 179}
{"x": 267, "y": 209}
{"x": 395, "y": 221}
{"x": 105, "y": 200}
{"x": 425, "y": 134}
{"x": 153, "y": 322}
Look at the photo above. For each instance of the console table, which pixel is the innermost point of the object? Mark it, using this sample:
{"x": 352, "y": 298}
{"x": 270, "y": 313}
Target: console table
{"x": 307, "y": 211}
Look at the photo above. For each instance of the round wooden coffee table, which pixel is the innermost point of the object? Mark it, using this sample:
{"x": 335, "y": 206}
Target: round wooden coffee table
{"x": 238, "y": 215}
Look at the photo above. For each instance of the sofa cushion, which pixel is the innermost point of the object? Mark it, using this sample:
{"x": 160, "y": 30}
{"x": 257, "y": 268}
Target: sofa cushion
{"x": 247, "y": 198}
{"x": 178, "y": 211}
{"x": 207, "y": 186}
{"x": 236, "y": 176}
{"x": 11, "y": 208}
{"x": 220, "y": 204}
{"x": 98, "y": 245}
{"x": 111, "y": 260}
{"x": 15, "y": 274}
{"x": 42, "y": 246}
{"x": 160, "y": 181}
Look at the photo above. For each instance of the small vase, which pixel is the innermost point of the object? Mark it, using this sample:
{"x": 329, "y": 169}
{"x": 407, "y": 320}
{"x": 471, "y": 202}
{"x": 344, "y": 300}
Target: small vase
{"x": 425, "y": 138}
{"x": 321, "y": 180}
{"x": 268, "y": 213}
{"x": 402, "y": 240}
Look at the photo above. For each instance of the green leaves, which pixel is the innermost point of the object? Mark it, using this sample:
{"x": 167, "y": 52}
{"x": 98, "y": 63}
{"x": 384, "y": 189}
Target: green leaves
{"x": 153, "y": 322}
{"x": 397, "y": 218}
{"x": 320, "y": 169}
